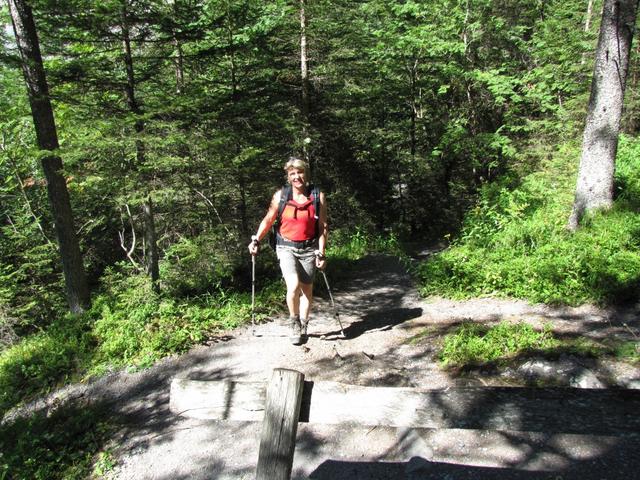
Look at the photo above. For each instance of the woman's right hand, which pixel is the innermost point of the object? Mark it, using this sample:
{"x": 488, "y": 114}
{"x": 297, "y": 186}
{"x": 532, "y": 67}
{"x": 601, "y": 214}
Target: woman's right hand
{"x": 254, "y": 246}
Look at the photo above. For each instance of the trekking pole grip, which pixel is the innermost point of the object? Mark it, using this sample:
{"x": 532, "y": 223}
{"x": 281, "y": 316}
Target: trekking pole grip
{"x": 255, "y": 242}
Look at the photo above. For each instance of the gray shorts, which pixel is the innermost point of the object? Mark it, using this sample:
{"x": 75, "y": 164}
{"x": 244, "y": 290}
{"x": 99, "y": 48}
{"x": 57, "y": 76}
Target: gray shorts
{"x": 301, "y": 261}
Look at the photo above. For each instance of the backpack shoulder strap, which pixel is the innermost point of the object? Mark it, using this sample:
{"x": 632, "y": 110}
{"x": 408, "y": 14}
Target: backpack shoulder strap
{"x": 285, "y": 196}
{"x": 315, "y": 191}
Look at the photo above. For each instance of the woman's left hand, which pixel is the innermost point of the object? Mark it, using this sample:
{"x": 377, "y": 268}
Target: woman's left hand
{"x": 321, "y": 260}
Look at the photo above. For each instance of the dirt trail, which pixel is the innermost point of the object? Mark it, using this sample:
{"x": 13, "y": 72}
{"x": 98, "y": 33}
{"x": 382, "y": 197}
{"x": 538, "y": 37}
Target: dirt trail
{"x": 391, "y": 340}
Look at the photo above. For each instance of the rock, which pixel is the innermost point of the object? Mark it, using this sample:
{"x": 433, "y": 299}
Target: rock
{"x": 565, "y": 371}
{"x": 586, "y": 379}
{"x": 533, "y": 369}
{"x": 633, "y": 383}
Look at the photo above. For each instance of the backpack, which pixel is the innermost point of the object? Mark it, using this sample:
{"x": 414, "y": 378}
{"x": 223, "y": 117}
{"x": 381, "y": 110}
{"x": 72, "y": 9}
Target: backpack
{"x": 286, "y": 194}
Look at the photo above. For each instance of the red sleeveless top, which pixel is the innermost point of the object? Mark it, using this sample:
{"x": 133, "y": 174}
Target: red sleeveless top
{"x": 298, "y": 221}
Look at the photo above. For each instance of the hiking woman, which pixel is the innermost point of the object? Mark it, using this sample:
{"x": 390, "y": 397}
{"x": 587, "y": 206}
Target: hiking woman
{"x": 301, "y": 240}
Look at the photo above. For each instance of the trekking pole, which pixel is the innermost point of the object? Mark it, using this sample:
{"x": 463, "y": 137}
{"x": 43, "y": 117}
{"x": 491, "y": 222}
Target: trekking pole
{"x": 253, "y": 290}
{"x": 333, "y": 304}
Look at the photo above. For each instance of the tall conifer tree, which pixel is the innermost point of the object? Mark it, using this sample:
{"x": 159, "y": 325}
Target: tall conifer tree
{"x": 28, "y": 44}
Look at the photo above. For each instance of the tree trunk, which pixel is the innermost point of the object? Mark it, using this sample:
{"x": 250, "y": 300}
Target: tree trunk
{"x": 150, "y": 239}
{"x": 77, "y": 289}
{"x": 179, "y": 65}
{"x": 594, "y": 189}
{"x": 179, "y": 60}
{"x": 151, "y": 250}
{"x": 587, "y": 22}
{"x": 304, "y": 76}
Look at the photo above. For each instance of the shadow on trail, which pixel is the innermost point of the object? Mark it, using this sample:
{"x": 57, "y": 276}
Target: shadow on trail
{"x": 480, "y": 454}
{"x": 375, "y": 295}
{"x": 418, "y": 468}
{"x": 381, "y": 319}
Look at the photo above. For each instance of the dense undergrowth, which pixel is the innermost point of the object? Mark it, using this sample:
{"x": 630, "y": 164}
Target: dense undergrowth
{"x": 127, "y": 326}
{"x": 515, "y": 242}
{"x": 130, "y": 326}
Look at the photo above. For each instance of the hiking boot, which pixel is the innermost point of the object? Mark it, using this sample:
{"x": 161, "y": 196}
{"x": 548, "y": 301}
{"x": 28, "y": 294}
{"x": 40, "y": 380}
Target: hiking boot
{"x": 296, "y": 331}
{"x": 303, "y": 330}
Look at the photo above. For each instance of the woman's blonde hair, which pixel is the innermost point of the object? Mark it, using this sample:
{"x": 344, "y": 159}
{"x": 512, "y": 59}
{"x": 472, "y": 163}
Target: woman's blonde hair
{"x": 299, "y": 164}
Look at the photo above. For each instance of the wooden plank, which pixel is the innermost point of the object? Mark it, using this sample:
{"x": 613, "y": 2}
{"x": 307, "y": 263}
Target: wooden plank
{"x": 220, "y": 400}
{"x": 280, "y": 424}
{"x": 553, "y": 410}
{"x": 559, "y": 410}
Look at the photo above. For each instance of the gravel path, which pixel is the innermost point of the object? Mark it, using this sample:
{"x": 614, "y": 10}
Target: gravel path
{"x": 391, "y": 337}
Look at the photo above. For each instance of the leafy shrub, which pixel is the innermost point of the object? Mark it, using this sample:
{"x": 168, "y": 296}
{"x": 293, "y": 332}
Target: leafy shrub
{"x": 128, "y": 325}
{"x": 192, "y": 266}
{"x": 31, "y": 286}
{"x": 627, "y": 179}
{"x": 354, "y": 245}
{"x": 516, "y": 244}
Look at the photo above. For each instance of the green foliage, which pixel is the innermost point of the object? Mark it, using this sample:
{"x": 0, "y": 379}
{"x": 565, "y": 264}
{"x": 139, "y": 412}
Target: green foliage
{"x": 191, "y": 266}
{"x": 627, "y": 179}
{"x": 629, "y": 351}
{"x": 411, "y": 114}
{"x": 473, "y": 343}
{"x": 33, "y": 292}
{"x": 64, "y": 445}
{"x": 135, "y": 327}
{"x": 514, "y": 243}
{"x": 128, "y": 325}
{"x": 44, "y": 360}
{"x": 352, "y": 246}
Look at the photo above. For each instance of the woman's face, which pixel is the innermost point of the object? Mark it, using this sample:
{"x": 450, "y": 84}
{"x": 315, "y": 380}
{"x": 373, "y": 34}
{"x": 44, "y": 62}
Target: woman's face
{"x": 296, "y": 177}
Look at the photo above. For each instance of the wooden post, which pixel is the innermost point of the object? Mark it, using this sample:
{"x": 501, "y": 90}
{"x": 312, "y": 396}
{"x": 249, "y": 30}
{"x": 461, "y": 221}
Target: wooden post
{"x": 280, "y": 424}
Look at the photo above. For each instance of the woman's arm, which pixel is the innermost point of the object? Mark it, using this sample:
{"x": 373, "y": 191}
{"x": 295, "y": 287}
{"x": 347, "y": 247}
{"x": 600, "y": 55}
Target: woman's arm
{"x": 265, "y": 224}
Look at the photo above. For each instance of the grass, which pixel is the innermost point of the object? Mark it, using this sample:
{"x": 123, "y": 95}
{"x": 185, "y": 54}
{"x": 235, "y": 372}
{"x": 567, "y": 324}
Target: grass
{"x": 628, "y": 351}
{"x": 473, "y": 344}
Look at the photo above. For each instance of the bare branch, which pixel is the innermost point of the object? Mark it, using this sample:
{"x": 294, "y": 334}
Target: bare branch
{"x": 210, "y": 203}
{"x": 121, "y": 235}
{"x": 22, "y": 189}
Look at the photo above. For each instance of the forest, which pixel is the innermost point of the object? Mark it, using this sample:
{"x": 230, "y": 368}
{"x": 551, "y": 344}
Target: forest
{"x": 139, "y": 153}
